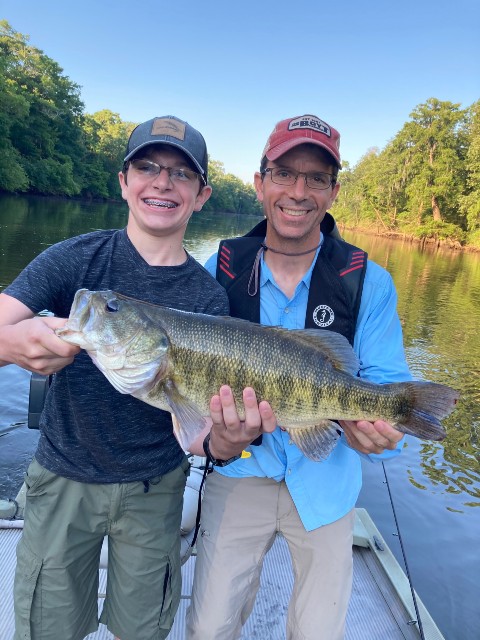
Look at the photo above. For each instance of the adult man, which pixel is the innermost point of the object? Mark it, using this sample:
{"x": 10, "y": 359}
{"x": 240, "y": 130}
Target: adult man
{"x": 106, "y": 463}
{"x": 287, "y": 272}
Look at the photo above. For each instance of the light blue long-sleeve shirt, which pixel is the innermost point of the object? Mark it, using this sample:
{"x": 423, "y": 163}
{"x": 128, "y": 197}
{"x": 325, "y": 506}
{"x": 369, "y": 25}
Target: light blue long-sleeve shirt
{"x": 325, "y": 491}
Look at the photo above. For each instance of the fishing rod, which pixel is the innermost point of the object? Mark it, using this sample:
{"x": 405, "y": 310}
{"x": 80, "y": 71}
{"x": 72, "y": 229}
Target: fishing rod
{"x": 11, "y": 427}
{"x": 418, "y": 621}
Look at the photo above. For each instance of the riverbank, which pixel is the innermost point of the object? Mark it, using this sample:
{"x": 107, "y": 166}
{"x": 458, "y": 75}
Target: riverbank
{"x": 423, "y": 243}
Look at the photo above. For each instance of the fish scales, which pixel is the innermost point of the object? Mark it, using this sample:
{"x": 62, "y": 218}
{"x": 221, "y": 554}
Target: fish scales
{"x": 237, "y": 360}
{"x": 178, "y": 360}
{"x": 290, "y": 377}
{"x": 287, "y": 374}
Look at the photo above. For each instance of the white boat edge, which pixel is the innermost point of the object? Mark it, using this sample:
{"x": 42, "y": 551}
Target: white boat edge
{"x": 367, "y": 535}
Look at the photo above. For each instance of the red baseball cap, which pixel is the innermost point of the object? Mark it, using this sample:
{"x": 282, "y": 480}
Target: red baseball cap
{"x": 291, "y": 132}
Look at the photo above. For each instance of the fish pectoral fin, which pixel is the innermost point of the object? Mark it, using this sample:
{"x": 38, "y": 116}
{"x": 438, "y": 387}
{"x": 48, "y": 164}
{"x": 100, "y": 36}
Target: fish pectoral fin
{"x": 316, "y": 442}
{"x": 187, "y": 420}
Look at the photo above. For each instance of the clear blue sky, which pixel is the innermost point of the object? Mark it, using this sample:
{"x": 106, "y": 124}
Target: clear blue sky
{"x": 233, "y": 69}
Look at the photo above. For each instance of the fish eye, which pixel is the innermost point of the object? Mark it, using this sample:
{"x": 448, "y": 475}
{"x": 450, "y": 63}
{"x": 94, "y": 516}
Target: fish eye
{"x": 112, "y": 305}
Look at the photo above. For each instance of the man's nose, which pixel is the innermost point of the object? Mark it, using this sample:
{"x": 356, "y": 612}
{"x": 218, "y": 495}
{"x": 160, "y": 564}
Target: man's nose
{"x": 300, "y": 186}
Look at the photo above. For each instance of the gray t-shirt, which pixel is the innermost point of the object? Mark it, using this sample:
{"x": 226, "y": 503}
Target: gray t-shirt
{"x": 89, "y": 431}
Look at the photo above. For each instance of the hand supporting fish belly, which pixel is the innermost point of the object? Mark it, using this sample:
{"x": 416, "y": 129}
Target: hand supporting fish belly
{"x": 176, "y": 361}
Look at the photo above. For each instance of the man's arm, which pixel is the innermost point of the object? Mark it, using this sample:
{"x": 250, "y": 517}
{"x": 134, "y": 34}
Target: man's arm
{"x": 30, "y": 342}
{"x": 379, "y": 345}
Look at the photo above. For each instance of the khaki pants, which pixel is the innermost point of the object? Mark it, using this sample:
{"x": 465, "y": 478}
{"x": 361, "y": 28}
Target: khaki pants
{"x": 240, "y": 518}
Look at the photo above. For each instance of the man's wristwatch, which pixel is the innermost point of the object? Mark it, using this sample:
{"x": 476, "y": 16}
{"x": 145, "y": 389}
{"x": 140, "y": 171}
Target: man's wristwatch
{"x": 215, "y": 461}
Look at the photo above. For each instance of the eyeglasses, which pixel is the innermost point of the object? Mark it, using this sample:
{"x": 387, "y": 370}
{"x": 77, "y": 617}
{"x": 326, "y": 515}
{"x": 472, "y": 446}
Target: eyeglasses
{"x": 288, "y": 177}
{"x": 150, "y": 170}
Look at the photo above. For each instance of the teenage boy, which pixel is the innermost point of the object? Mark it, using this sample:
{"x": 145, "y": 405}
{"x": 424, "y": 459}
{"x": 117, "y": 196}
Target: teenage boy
{"x": 107, "y": 463}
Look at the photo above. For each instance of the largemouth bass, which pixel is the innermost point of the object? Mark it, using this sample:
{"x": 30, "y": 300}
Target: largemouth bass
{"x": 176, "y": 361}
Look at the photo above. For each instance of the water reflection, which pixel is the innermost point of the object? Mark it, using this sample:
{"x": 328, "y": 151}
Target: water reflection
{"x": 439, "y": 306}
{"x": 438, "y": 303}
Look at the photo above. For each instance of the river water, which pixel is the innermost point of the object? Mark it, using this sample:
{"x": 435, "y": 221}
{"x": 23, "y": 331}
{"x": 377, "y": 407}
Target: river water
{"x": 435, "y": 487}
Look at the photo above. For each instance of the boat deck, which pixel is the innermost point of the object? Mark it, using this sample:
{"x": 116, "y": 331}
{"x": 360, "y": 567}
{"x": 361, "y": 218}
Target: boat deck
{"x": 381, "y": 605}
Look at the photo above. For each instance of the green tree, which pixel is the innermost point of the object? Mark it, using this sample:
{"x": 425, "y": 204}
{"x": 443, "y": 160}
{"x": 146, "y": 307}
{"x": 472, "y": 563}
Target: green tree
{"x": 106, "y": 137}
{"x": 229, "y": 193}
{"x": 13, "y": 109}
{"x": 48, "y": 138}
{"x": 430, "y": 150}
{"x": 470, "y": 202}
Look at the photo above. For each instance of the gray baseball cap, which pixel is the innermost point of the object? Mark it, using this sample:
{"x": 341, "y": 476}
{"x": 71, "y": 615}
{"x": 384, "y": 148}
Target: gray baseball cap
{"x": 172, "y": 131}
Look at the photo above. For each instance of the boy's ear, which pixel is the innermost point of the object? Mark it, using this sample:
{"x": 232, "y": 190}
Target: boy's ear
{"x": 122, "y": 178}
{"x": 202, "y": 197}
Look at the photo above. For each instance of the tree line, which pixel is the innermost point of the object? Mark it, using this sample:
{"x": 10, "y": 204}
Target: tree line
{"x": 424, "y": 183}
{"x": 50, "y": 146}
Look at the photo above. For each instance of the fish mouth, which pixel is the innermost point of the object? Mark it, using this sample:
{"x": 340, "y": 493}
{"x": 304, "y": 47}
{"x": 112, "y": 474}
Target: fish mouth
{"x": 80, "y": 311}
{"x": 160, "y": 204}
{"x": 80, "y": 316}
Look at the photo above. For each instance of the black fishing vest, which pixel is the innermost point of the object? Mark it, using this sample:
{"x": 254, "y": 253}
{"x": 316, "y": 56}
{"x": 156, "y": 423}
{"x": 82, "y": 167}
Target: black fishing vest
{"x": 335, "y": 289}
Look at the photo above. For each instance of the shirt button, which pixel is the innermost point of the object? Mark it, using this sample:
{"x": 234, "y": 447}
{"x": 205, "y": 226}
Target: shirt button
{"x": 287, "y": 310}
{"x": 289, "y": 471}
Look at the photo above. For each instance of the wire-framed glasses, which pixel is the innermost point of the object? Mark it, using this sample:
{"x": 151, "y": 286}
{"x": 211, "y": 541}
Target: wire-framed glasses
{"x": 149, "y": 169}
{"x": 288, "y": 177}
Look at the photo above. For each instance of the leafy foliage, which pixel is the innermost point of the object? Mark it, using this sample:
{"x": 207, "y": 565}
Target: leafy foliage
{"x": 425, "y": 183}
{"x": 49, "y": 145}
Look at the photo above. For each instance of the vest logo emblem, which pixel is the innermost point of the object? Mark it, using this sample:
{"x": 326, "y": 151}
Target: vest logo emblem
{"x": 323, "y": 315}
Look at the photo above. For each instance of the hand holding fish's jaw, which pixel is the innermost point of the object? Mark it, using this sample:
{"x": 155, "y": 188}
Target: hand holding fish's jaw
{"x": 33, "y": 345}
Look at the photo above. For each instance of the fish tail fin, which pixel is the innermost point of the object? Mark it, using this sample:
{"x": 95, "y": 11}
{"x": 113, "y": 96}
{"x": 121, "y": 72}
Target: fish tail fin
{"x": 431, "y": 403}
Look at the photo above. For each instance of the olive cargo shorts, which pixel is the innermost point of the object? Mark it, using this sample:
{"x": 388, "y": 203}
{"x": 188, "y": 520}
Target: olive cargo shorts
{"x": 56, "y": 580}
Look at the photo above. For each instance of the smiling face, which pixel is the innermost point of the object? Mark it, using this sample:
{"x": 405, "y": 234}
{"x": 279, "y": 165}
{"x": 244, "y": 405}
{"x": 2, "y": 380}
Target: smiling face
{"x": 159, "y": 206}
{"x": 294, "y": 212}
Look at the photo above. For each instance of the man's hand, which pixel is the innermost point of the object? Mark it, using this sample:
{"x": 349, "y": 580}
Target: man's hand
{"x": 229, "y": 435}
{"x": 33, "y": 345}
{"x": 370, "y": 437}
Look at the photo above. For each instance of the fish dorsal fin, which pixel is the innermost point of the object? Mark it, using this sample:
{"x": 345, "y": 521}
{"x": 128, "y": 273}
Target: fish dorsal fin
{"x": 316, "y": 442}
{"x": 333, "y": 346}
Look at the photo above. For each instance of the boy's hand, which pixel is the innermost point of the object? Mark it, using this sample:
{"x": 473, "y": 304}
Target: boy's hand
{"x": 33, "y": 345}
{"x": 229, "y": 435}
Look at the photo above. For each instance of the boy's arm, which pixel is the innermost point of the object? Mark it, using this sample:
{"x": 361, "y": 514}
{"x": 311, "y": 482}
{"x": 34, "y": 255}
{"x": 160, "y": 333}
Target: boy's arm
{"x": 29, "y": 341}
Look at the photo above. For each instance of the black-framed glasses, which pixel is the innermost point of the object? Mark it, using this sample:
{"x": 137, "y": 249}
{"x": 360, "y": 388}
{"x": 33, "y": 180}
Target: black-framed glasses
{"x": 288, "y": 177}
{"x": 150, "y": 170}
